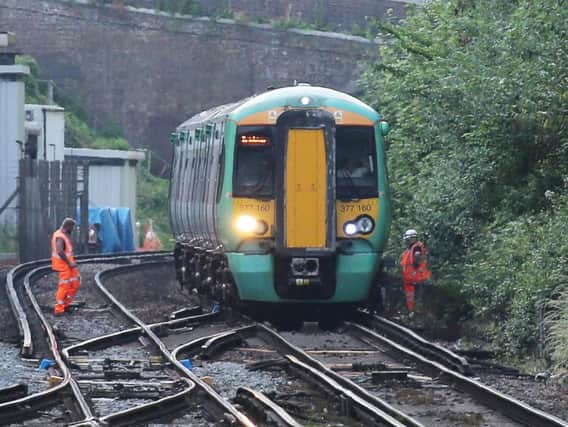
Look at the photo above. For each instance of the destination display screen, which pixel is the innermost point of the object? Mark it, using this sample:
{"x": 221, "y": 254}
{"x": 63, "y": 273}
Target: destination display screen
{"x": 251, "y": 139}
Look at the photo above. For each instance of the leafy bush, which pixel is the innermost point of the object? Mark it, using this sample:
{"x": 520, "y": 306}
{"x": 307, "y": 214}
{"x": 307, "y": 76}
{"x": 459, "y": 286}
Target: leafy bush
{"x": 36, "y": 90}
{"x": 475, "y": 93}
{"x": 8, "y": 238}
{"x": 558, "y": 338}
{"x": 184, "y": 7}
{"x": 152, "y": 203}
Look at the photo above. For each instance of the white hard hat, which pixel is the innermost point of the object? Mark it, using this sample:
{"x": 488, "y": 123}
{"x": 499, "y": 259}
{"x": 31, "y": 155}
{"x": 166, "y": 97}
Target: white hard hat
{"x": 409, "y": 234}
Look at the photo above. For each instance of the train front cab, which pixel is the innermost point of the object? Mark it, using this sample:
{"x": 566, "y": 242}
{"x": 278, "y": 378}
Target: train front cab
{"x": 325, "y": 225}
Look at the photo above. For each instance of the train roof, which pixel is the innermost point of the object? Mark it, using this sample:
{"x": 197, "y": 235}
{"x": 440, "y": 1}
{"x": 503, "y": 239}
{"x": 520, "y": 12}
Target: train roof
{"x": 286, "y": 97}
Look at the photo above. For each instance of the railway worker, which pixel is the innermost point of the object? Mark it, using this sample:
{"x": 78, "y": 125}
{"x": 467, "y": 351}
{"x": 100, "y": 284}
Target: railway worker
{"x": 63, "y": 261}
{"x": 93, "y": 241}
{"x": 415, "y": 271}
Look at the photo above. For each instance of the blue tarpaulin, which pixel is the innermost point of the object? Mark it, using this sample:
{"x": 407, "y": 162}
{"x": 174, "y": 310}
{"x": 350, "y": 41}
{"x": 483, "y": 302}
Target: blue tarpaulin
{"x": 115, "y": 228}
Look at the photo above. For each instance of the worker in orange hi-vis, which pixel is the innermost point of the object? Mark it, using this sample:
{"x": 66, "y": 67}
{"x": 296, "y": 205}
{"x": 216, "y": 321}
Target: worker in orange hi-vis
{"x": 415, "y": 271}
{"x": 63, "y": 261}
{"x": 151, "y": 240}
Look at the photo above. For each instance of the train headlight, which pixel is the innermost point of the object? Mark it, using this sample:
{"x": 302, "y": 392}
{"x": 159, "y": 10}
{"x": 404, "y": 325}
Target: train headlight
{"x": 249, "y": 224}
{"x": 365, "y": 224}
{"x": 349, "y": 228}
{"x": 246, "y": 224}
{"x": 261, "y": 227}
{"x": 305, "y": 100}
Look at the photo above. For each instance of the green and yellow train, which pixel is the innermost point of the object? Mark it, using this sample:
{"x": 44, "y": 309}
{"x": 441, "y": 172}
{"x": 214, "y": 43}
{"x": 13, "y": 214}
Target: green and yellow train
{"x": 281, "y": 199}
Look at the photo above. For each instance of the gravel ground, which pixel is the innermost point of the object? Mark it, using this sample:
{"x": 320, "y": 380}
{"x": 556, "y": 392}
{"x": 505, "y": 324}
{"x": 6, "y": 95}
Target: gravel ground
{"x": 423, "y": 398}
{"x": 197, "y": 418}
{"x": 14, "y": 370}
{"x": 229, "y": 376}
{"x": 133, "y": 350}
{"x": 152, "y": 293}
{"x": 548, "y": 396}
{"x": 95, "y": 317}
{"x": 156, "y": 303}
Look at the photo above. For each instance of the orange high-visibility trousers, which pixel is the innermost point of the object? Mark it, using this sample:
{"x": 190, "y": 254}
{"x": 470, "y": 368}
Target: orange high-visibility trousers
{"x": 69, "y": 283}
{"x": 409, "y": 291}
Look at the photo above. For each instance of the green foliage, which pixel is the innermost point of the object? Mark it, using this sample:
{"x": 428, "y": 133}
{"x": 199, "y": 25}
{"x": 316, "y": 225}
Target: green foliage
{"x": 152, "y": 203}
{"x": 475, "y": 92}
{"x": 78, "y": 133}
{"x": 8, "y": 238}
{"x": 287, "y": 23}
{"x": 557, "y": 321}
{"x": 356, "y": 30}
{"x": 184, "y": 7}
{"x": 226, "y": 14}
{"x": 36, "y": 89}
{"x": 511, "y": 288}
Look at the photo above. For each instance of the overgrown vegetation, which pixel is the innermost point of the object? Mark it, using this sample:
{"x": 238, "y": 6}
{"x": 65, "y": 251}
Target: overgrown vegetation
{"x": 185, "y": 7}
{"x": 78, "y": 133}
{"x": 195, "y": 8}
{"x": 478, "y": 158}
{"x": 153, "y": 204}
{"x": 557, "y": 320}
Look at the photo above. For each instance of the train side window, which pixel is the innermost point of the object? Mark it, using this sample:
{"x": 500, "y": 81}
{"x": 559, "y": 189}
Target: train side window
{"x": 221, "y": 171}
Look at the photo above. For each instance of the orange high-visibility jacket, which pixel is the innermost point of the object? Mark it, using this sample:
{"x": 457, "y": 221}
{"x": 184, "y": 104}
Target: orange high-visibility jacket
{"x": 410, "y": 273}
{"x": 57, "y": 263}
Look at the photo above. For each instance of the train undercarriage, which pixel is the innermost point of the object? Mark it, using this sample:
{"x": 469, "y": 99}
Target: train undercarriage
{"x": 206, "y": 276}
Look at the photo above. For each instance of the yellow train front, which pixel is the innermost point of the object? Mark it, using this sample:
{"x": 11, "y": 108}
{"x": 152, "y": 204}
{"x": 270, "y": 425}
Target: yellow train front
{"x": 281, "y": 198}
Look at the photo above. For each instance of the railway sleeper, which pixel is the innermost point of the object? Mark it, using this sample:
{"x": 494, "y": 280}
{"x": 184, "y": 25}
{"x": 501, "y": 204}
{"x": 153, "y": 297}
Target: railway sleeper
{"x": 387, "y": 376}
{"x": 84, "y": 363}
{"x": 13, "y": 392}
{"x": 128, "y": 390}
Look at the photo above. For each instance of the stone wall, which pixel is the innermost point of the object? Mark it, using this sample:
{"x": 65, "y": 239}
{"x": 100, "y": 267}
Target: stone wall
{"x": 148, "y": 72}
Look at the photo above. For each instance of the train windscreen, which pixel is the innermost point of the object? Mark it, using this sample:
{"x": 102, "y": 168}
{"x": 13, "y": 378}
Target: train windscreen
{"x": 254, "y": 162}
{"x": 356, "y": 162}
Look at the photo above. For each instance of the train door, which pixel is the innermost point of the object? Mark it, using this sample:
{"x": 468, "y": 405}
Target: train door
{"x": 306, "y": 189}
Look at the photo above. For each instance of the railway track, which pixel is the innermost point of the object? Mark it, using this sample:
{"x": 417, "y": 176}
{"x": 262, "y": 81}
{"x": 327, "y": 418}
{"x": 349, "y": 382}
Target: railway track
{"x": 168, "y": 362}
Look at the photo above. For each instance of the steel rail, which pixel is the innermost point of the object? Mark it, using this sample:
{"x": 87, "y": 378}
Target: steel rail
{"x": 153, "y": 410}
{"x": 393, "y": 413}
{"x": 164, "y": 405}
{"x": 127, "y": 335}
{"x": 19, "y": 407}
{"x": 191, "y": 347}
{"x": 17, "y": 308}
{"x": 16, "y": 305}
{"x": 512, "y": 408}
{"x": 417, "y": 343}
{"x": 359, "y": 397}
{"x": 273, "y": 411}
{"x": 210, "y": 392}
{"x": 67, "y": 379}
{"x": 357, "y": 403}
